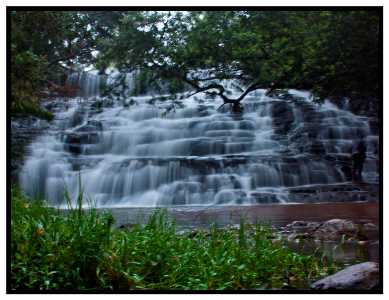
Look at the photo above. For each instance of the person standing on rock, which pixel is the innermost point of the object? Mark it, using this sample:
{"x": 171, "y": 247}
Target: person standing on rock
{"x": 358, "y": 158}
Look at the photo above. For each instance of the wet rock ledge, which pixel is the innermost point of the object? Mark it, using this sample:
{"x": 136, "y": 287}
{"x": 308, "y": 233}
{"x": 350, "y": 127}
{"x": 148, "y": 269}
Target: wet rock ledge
{"x": 23, "y": 131}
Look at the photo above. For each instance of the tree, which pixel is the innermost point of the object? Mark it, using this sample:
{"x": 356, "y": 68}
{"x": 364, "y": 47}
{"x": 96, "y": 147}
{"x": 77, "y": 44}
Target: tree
{"x": 45, "y": 46}
{"x": 334, "y": 54}
{"x": 329, "y": 53}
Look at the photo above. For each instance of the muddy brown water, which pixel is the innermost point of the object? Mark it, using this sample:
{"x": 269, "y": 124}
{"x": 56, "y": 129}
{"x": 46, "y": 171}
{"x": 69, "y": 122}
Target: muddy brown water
{"x": 274, "y": 214}
{"x": 277, "y": 215}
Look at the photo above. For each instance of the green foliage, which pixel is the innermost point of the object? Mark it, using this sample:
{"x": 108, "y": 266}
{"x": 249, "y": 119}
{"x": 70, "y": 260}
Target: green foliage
{"x": 53, "y": 250}
{"x": 143, "y": 83}
{"x": 22, "y": 108}
{"x": 28, "y": 73}
{"x": 146, "y": 81}
{"x": 344, "y": 57}
{"x": 58, "y": 36}
{"x": 79, "y": 250}
{"x": 44, "y": 46}
{"x": 33, "y": 35}
{"x": 176, "y": 86}
{"x": 334, "y": 54}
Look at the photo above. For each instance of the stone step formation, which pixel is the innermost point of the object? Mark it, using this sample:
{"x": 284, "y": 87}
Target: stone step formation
{"x": 281, "y": 149}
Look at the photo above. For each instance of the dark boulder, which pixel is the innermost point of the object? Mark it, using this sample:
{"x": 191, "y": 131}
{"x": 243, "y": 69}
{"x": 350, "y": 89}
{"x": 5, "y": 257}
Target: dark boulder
{"x": 84, "y": 135}
{"x": 73, "y": 148}
{"x": 364, "y": 276}
{"x": 81, "y": 138}
{"x": 283, "y": 117}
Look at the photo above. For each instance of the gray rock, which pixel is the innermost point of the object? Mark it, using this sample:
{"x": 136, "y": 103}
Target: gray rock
{"x": 81, "y": 138}
{"x": 369, "y": 231}
{"x": 334, "y": 230}
{"x": 303, "y": 226}
{"x": 364, "y": 276}
{"x": 283, "y": 117}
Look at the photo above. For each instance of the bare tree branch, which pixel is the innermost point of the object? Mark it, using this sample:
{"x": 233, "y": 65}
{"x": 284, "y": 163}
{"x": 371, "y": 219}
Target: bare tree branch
{"x": 221, "y": 89}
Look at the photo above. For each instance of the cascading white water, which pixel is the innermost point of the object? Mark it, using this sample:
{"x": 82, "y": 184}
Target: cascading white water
{"x": 142, "y": 155}
{"x": 88, "y": 84}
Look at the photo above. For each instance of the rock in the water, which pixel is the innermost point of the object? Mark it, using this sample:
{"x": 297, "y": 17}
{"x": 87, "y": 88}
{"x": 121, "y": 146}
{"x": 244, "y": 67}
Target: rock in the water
{"x": 303, "y": 226}
{"x": 334, "y": 230}
{"x": 283, "y": 117}
{"x": 81, "y": 138}
{"x": 364, "y": 276}
{"x": 369, "y": 231}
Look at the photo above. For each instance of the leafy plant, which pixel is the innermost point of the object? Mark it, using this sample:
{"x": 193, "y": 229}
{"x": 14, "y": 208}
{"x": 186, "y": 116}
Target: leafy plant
{"x": 77, "y": 249}
{"x": 333, "y": 54}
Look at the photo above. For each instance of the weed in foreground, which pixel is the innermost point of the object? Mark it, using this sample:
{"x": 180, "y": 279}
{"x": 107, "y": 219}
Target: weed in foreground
{"x": 80, "y": 250}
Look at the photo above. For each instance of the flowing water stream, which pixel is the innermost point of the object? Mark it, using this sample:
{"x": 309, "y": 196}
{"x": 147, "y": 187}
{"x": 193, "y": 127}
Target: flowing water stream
{"x": 136, "y": 154}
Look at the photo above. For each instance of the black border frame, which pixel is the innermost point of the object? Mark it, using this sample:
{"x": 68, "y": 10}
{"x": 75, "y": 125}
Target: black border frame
{"x": 9, "y": 289}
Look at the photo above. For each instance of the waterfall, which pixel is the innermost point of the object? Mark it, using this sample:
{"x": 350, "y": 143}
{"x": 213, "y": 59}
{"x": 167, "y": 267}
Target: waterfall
{"x": 280, "y": 150}
{"x": 88, "y": 83}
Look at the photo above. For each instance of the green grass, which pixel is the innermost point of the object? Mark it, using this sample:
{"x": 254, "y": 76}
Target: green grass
{"x": 81, "y": 250}
{"x": 31, "y": 109}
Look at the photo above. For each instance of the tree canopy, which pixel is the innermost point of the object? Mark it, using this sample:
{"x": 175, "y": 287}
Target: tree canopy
{"x": 46, "y": 45}
{"x": 333, "y": 54}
